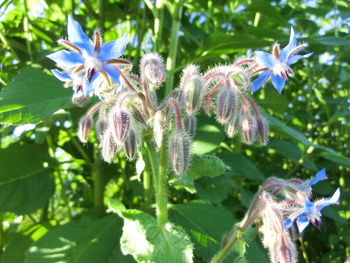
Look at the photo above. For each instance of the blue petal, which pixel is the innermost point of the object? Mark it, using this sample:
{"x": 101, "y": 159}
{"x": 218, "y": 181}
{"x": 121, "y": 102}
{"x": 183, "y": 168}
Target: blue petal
{"x": 330, "y": 201}
{"x": 260, "y": 81}
{"x": 291, "y": 45}
{"x": 90, "y": 86}
{"x": 113, "y": 49}
{"x": 287, "y": 223}
{"x": 113, "y": 73}
{"x": 66, "y": 59}
{"x": 295, "y": 58}
{"x": 321, "y": 175}
{"x": 302, "y": 223}
{"x": 265, "y": 59}
{"x": 308, "y": 207}
{"x": 278, "y": 82}
{"x": 75, "y": 32}
{"x": 61, "y": 75}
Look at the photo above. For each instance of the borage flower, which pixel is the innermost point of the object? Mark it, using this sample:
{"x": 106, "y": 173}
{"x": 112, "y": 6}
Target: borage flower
{"x": 277, "y": 65}
{"x": 311, "y": 212}
{"x": 92, "y": 57}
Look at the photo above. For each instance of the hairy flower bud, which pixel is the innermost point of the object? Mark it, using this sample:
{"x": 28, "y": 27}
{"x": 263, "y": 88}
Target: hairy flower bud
{"x": 239, "y": 78}
{"x": 232, "y": 127}
{"x": 152, "y": 69}
{"x": 119, "y": 122}
{"x": 101, "y": 126}
{"x": 192, "y": 88}
{"x": 226, "y": 105}
{"x": 139, "y": 116}
{"x": 179, "y": 147}
{"x": 85, "y": 125}
{"x": 109, "y": 147}
{"x": 130, "y": 144}
{"x": 262, "y": 130}
{"x": 248, "y": 127}
{"x": 159, "y": 127}
{"x": 190, "y": 123}
{"x": 79, "y": 99}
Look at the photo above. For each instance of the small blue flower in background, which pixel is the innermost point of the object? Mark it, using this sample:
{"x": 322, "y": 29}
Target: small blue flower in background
{"x": 277, "y": 65}
{"x": 311, "y": 212}
{"x": 90, "y": 56}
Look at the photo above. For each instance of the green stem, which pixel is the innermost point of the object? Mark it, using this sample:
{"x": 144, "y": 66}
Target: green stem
{"x": 26, "y": 26}
{"x": 2, "y": 238}
{"x": 159, "y": 170}
{"x": 219, "y": 257}
{"x": 147, "y": 184}
{"x": 174, "y": 39}
{"x": 303, "y": 249}
{"x": 98, "y": 186}
{"x": 158, "y": 24}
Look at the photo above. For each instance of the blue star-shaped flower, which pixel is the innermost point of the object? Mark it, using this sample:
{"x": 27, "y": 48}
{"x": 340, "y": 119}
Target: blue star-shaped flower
{"x": 92, "y": 57}
{"x": 277, "y": 65}
{"x": 311, "y": 212}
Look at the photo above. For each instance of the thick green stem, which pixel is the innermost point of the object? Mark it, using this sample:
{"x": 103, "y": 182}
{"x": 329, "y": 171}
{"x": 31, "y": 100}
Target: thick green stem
{"x": 174, "y": 39}
{"x": 98, "y": 186}
{"x": 159, "y": 169}
{"x": 219, "y": 257}
{"x": 26, "y": 25}
{"x": 158, "y": 24}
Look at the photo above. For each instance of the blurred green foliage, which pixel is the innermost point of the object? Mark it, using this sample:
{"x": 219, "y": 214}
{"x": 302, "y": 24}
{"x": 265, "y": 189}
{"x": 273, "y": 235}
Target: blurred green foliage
{"x": 48, "y": 211}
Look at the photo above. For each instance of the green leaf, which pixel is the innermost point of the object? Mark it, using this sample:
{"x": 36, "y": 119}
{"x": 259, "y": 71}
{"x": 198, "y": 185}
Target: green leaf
{"x": 205, "y": 223}
{"x": 214, "y": 189}
{"x": 287, "y": 149}
{"x": 17, "y": 244}
{"x": 26, "y": 187}
{"x": 147, "y": 242}
{"x": 32, "y": 96}
{"x": 333, "y": 41}
{"x": 85, "y": 240}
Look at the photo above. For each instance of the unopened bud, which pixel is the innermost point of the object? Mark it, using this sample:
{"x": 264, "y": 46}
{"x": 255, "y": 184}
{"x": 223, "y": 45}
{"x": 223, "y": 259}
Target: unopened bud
{"x": 192, "y": 88}
{"x": 239, "y": 78}
{"x": 85, "y": 125}
{"x": 226, "y": 105}
{"x": 79, "y": 99}
{"x": 190, "y": 123}
{"x": 179, "y": 147}
{"x": 152, "y": 69}
{"x": 130, "y": 144}
{"x": 232, "y": 127}
{"x": 262, "y": 130}
{"x": 109, "y": 147}
{"x": 119, "y": 122}
{"x": 138, "y": 116}
{"x": 159, "y": 127}
{"x": 247, "y": 127}
{"x": 101, "y": 126}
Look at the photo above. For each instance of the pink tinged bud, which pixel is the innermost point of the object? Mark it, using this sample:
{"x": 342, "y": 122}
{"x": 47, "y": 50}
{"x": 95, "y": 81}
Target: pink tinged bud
{"x": 130, "y": 145}
{"x": 248, "y": 127}
{"x": 152, "y": 69}
{"x": 85, "y": 125}
{"x": 101, "y": 126}
{"x": 119, "y": 124}
{"x": 159, "y": 128}
{"x": 109, "y": 147}
{"x": 193, "y": 94}
{"x": 232, "y": 127}
{"x": 79, "y": 99}
{"x": 262, "y": 130}
{"x": 138, "y": 116}
{"x": 190, "y": 123}
{"x": 226, "y": 105}
{"x": 179, "y": 147}
{"x": 239, "y": 78}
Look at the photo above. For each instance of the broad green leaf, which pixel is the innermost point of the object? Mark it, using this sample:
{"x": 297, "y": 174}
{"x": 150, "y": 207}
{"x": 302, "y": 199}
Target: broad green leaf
{"x": 287, "y": 149}
{"x": 26, "y": 187}
{"x": 147, "y": 242}
{"x": 32, "y": 96}
{"x": 205, "y": 223}
{"x": 333, "y": 41}
{"x": 17, "y": 244}
{"x": 214, "y": 189}
{"x": 84, "y": 240}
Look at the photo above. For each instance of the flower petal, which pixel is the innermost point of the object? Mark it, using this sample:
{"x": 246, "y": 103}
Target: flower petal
{"x": 113, "y": 73}
{"x": 66, "y": 59}
{"x": 308, "y": 207}
{"x": 295, "y": 58}
{"x": 291, "y": 45}
{"x": 265, "y": 59}
{"x": 113, "y": 49}
{"x": 260, "y": 81}
{"x": 61, "y": 75}
{"x": 321, "y": 175}
{"x": 90, "y": 86}
{"x": 75, "y": 32}
{"x": 278, "y": 83}
{"x": 334, "y": 200}
{"x": 302, "y": 223}
{"x": 287, "y": 223}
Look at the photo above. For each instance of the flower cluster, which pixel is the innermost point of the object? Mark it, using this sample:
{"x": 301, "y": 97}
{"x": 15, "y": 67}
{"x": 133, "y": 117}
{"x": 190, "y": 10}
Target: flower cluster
{"x": 283, "y": 205}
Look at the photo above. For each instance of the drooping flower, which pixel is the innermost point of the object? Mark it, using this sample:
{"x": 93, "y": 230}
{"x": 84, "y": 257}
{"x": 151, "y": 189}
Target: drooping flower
{"x": 91, "y": 57}
{"x": 311, "y": 212}
{"x": 277, "y": 65}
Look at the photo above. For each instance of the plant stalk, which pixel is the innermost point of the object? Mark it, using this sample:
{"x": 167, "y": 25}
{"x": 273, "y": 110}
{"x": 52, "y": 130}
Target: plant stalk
{"x": 98, "y": 186}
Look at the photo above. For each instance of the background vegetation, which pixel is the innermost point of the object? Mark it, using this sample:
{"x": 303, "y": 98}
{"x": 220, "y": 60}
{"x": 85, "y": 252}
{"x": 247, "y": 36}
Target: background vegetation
{"x": 48, "y": 205}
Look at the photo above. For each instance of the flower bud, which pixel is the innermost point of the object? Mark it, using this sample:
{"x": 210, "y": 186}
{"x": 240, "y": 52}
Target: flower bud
{"x": 109, "y": 147}
{"x": 159, "y": 127}
{"x": 152, "y": 69}
{"x": 190, "y": 123}
{"x": 226, "y": 105}
{"x": 130, "y": 144}
{"x": 101, "y": 126}
{"x": 192, "y": 88}
{"x": 85, "y": 125}
{"x": 239, "y": 78}
{"x": 79, "y": 99}
{"x": 179, "y": 147}
{"x": 262, "y": 130}
{"x": 248, "y": 127}
{"x": 138, "y": 116}
{"x": 232, "y": 127}
{"x": 119, "y": 122}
